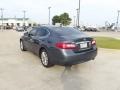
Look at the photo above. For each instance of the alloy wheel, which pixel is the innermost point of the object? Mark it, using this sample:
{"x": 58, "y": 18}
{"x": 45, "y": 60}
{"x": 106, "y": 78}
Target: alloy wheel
{"x": 44, "y": 58}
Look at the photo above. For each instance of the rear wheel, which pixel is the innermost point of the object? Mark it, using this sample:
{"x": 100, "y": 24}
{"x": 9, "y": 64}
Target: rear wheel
{"x": 45, "y": 59}
{"x": 22, "y": 47}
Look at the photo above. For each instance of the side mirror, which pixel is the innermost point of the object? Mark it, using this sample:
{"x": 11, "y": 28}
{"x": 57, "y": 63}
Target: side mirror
{"x": 26, "y": 34}
{"x": 30, "y": 35}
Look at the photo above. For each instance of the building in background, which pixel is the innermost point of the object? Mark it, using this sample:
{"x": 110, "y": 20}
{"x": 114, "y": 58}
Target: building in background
{"x": 17, "y": 22}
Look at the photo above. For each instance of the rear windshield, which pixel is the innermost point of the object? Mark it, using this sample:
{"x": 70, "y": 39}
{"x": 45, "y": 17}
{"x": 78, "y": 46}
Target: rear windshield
{"x": 66, "y": 31}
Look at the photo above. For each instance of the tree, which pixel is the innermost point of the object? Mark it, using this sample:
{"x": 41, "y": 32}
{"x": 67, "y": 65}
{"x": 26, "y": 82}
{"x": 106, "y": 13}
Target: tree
{"x": 56, "y": 19}
{"x": 64, "y": 19}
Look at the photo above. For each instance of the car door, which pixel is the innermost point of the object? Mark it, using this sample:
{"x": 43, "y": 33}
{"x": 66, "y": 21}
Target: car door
{"x": 26, "y": 39}
{"x": 30, "y": 40}
{"x": 39, "y": 39}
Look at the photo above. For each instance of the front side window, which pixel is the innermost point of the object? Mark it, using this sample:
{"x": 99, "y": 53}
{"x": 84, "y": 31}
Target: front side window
{"x": 33, "y": 32}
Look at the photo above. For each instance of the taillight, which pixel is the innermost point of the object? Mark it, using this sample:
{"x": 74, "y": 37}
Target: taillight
{"x": 63, "y": 45}
{"x": 93, "y": 42}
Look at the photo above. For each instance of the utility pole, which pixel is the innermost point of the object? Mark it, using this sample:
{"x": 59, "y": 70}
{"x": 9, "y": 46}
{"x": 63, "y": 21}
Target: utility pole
{"x": 2, "y": 17}
{"x": 117, "y": 19}
{"x": 79, "y": 15}
{"x": 15, "y": 21}
{"x": 74, "y": 21}
{"x": 77, "y": 19}
{"x": 24, "y": 17}
{"x": 49, "y": 15}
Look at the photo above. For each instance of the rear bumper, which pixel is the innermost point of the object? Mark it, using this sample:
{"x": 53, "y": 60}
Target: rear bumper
{"x": 71, "y": 58}
{"x": 79, "y": 58}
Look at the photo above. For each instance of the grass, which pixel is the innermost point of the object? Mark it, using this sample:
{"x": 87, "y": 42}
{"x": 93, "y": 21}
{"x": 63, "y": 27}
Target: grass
{"x": 107, "y": 42}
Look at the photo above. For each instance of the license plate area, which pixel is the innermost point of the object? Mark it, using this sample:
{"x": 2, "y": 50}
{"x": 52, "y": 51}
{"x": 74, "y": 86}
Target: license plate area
{"x": 83, "y": 45}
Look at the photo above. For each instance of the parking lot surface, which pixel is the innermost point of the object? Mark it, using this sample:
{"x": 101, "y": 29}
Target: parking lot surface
{"x": 23, "y": 70}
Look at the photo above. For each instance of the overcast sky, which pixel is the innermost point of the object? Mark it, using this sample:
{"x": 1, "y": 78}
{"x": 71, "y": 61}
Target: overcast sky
{"x": 93, "y": 12}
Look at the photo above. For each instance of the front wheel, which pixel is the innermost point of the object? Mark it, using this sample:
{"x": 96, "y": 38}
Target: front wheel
{"x": 22, "y": 46}
{"x": 45, "y": 59}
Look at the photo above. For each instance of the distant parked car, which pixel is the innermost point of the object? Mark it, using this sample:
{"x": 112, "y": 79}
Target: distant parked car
{"x": 21, "y": 28}
{"x": 80, "y": 28}
{"x": 90, "y": 29}
{"x": 59, "y": 45}
{"x": 8, "y": 27}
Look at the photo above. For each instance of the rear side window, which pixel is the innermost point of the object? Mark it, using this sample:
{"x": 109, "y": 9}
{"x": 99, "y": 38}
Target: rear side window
{"x": 42, "y": 32}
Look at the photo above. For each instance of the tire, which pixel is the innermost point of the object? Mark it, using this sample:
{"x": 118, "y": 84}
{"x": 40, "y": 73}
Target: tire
{"x": 45, "y": 60}
{"x": 22, "y": 47}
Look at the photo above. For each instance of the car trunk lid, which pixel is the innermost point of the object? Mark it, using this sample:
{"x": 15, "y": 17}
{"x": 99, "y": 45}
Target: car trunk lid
{"x": 83, "y": 43}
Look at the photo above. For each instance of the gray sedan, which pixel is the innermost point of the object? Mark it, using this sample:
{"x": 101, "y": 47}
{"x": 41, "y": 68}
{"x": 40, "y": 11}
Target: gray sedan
{"x": 59, "y": 45}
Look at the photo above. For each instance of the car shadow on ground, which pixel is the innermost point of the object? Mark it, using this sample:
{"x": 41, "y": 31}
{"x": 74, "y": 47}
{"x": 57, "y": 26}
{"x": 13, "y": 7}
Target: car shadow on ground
{"x": 72, "y": 81}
